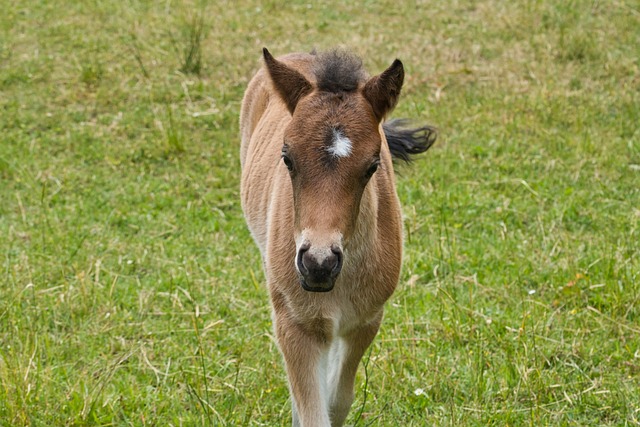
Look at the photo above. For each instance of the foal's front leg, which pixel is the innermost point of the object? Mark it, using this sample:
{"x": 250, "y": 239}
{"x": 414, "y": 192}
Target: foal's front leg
{"x": 345, "y": 365}
{"x": 302, "y": 353}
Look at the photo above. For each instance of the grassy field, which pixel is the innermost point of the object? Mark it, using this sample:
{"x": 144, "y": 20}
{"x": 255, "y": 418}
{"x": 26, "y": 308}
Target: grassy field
{"x": 131, "y": 292}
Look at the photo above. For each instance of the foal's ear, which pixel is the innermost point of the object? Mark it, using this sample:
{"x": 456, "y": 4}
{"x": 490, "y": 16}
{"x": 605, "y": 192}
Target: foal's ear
{"x": 383, "y": 90}
{"x": 290, "y": 84}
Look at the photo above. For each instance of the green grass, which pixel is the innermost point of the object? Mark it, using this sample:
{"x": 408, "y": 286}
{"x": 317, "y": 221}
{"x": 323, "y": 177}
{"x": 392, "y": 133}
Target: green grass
{"x": 131, "y": 292}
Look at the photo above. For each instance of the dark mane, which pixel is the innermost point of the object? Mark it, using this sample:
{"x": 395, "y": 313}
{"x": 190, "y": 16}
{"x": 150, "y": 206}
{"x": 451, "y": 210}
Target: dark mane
{"x": 338, "y": 71}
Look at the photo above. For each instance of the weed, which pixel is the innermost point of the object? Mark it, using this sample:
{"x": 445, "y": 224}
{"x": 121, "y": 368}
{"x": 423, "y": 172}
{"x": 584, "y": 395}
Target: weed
{"x": 190, "y": 46}
{"x": 134, "y": 48}
{"x": 173, "y": 135}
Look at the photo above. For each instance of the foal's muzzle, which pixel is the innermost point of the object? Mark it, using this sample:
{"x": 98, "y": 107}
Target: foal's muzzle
{"x": 318, "y": 267}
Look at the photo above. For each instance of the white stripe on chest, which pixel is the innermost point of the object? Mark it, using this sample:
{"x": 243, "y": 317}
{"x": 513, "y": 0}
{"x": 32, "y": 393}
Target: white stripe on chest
{"x": 341, "y": 145}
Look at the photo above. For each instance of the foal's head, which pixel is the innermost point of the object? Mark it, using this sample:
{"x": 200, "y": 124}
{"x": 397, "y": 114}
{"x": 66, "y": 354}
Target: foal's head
{"x": 331, "y": 149}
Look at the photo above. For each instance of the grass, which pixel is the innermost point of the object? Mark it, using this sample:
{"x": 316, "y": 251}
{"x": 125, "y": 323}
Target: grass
{"x": 131, "y": 292}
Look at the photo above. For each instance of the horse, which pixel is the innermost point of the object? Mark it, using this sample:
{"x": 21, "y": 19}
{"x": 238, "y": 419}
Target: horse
{"x": 319, "y": 197}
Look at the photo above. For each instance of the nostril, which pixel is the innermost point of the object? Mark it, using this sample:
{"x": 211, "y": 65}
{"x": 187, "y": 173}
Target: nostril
{"x": 331, "y": 261}
{"x": 337, "y": 252}
{"x": 300, "y": 258}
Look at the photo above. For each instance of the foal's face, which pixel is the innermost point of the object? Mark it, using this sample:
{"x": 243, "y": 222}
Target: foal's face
{"x": 331, "y": 149}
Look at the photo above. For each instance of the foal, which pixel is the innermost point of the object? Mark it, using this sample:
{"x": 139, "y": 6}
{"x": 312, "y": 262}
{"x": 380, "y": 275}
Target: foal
{"x": 318, "y": 194}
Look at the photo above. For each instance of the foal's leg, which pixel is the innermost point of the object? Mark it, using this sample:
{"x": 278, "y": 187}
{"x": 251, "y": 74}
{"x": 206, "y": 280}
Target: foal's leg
{"x": 303, "y": 354}
{"x": 342, "y": 371}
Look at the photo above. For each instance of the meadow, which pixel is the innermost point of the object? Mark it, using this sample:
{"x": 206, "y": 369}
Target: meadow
{"x": 131, "y": 292}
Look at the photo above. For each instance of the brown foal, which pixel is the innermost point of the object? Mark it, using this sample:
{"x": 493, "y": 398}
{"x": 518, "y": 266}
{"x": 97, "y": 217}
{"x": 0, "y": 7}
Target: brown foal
{"x": 318, "y": 193}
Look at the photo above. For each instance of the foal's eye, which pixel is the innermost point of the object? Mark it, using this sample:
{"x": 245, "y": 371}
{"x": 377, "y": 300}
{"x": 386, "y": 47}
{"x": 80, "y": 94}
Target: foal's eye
{"x": 285, "y": 157}
{"x": 372, "y": 169}
{"x": 287, "y": 162}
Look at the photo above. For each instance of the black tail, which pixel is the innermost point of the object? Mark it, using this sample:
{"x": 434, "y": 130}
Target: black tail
{"x": 405, "y": 142}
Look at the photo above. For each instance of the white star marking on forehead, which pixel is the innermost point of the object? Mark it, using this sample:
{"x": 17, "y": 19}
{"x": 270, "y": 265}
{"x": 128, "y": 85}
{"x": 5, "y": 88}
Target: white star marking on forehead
{"x": 341, "y": 146}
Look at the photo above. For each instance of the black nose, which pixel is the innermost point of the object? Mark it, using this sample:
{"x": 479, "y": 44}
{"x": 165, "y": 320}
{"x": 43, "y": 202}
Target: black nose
{"x": 319, "y": 268}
